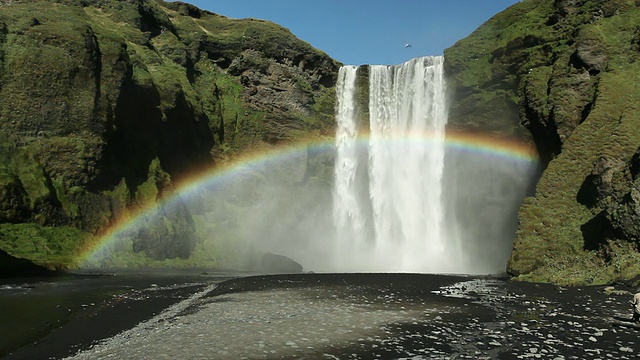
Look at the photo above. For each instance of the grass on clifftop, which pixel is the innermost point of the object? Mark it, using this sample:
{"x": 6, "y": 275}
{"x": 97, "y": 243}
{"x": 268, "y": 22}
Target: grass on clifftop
{"x": 548, "y": 61}
{"x": 64, "y": 69}
{"x": 550, "y": 243}
{"x": 472, "y": 57}
{"x": 51, "y": 247}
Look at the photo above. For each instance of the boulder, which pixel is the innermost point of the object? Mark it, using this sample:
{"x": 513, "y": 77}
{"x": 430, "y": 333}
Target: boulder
{"x": 278, "y": 264}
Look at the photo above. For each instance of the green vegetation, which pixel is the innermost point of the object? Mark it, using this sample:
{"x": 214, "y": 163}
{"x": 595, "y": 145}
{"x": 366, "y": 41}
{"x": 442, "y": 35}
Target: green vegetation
{"x": 51, "y": 247}
{"x": 610, "y": 131}
{"x": 104, "y": 105}
{"x": 561, "y": 75}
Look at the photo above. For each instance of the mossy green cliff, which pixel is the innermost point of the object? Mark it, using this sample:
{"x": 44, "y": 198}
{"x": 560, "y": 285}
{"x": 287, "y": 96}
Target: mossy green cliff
{"x": 105, "y": 105}
{"x": 563, "y": 74}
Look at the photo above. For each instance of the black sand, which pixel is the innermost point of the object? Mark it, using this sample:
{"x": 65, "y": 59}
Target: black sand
{"x": 347, "y": 316}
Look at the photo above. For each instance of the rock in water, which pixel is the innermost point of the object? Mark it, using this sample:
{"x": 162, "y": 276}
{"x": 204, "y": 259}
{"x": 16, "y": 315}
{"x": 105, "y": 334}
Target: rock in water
{"x": 278, "y": 264}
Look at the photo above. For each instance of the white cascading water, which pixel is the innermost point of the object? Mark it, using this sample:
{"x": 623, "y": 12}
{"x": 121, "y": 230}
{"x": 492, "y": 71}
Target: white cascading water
{"x": 348, "y": 214}
{"x": 389, "y": 217}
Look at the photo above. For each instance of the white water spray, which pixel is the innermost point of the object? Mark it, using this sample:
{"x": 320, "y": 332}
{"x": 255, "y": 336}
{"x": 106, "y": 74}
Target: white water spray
{"x": 401, "y": 201}
{"x": 405, "y": 165}
{"x": 348, "y": 215}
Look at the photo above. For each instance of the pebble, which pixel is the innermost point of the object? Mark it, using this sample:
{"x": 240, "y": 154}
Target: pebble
{"x": 484, "y": 320}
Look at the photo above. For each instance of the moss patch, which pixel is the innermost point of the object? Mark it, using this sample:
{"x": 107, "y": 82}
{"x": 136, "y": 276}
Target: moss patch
{"x": 51, "y": 247}
{"x": 93, "y": 94}
{"x": 561, "y": 75}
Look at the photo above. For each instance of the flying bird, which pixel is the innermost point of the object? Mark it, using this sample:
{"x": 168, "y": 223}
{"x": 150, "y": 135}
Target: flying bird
{"x": 407, "y": 45}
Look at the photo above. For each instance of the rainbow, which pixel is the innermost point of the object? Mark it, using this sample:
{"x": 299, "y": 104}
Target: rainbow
{"x": 492, "y": 146}
{"x": 477, "y": 144}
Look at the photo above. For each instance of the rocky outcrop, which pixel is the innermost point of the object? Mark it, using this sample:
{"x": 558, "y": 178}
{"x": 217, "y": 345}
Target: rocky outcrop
{"x": 105, "y": 105}
{"x": 278, "y": 264}
{"x": 528, "y": 73}
{"x": 11, "y": 266}
{"x": 559, "y": 73}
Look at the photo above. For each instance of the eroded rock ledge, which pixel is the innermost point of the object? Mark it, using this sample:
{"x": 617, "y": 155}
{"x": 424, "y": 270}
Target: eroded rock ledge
{"x": 559, "y": 73}
{"x": 106, "y": 105}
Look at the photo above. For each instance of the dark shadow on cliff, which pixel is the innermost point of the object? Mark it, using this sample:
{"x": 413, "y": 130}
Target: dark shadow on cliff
{"x": 180, "y": 139}
{"x": 594, "y": 232}
{"x": 588, "y": 194}
{"x": 13, "y": 267}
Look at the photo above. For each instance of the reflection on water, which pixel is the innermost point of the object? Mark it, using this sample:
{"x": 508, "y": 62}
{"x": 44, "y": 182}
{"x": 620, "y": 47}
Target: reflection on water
{"x": 361, "y": 316}
{"x": 31, "y": 308}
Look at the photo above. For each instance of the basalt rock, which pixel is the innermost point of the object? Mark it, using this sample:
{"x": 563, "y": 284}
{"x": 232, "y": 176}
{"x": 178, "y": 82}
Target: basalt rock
{"x": 613, "y": 189}
{"x": 278, "y": 264}
{"x": 560, "y": 74}
{"x": 101, "y": 99}
{"x": 11, "y": 267}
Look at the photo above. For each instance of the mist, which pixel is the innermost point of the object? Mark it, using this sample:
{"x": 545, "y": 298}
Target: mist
{"x": 276, "y": 207}
{"x": 395, "y": 196}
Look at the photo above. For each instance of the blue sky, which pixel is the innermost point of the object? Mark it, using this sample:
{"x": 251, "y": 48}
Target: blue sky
{"x": 369, "y": 31}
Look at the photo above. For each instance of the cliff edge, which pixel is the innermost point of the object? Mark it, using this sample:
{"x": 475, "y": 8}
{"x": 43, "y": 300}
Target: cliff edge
{"x": 106, "y": 105}
{"x": 563, "y": 75}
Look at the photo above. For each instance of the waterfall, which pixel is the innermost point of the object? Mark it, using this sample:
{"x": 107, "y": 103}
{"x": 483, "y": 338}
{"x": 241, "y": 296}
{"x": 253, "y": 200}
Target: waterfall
{"x": 348, "y": 213}
{"x": 388, "y": 206}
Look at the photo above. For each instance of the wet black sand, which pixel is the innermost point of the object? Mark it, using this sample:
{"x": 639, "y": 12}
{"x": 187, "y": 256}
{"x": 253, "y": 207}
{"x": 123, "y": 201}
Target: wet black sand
{"x": 53, "y": 317}
{"x": 349, "y": 316}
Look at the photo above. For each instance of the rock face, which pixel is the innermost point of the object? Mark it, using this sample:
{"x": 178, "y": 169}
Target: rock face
{"x": 278, "y": 264}
{"x": 104, "y": 105}
{"x": 11, "y": 266}
{"x": 561, "y": 74}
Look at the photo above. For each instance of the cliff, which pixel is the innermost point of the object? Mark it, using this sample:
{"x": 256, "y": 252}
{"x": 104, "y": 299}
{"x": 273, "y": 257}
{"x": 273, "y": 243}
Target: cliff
{"x": 106, "y": 105}
{"x": 563, "y": 74}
